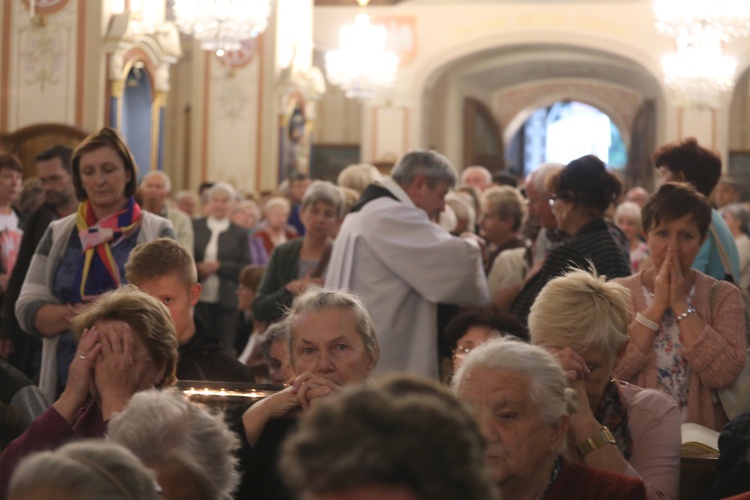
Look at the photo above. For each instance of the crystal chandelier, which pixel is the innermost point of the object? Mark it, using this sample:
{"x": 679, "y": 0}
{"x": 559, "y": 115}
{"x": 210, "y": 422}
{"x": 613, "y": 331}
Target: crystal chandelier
{"x": 698, "y": 73}
{"x": 361, "y": 66}
{"x": 724, "y": 18}
{"x": 222, "y": 25}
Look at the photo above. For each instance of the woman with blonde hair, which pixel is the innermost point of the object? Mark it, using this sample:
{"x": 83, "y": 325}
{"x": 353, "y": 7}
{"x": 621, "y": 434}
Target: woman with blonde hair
{"x": 628, "y": 219}
{"x": 358, "y": 177}
{"x": 583, "y": 320}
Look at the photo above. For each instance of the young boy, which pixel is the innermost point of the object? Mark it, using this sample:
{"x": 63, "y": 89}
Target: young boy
{"x": 165, "y": 269}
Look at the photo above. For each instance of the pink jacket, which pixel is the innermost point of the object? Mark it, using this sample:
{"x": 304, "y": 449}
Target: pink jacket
{"x": 716, "y": 359}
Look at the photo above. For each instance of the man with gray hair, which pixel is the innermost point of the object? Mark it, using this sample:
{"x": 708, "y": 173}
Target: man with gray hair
{"x": 155, "y": 188}
{"x": 403, "y": 265}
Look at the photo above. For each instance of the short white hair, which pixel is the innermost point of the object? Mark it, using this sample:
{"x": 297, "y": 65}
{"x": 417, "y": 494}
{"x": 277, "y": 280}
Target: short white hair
{"x": 628, "y": 209}
{"x": 476, "y": 168}
{"x": 224, "y": 187}
{"x": 164, "y": 176}
{"x": 86, "y": 469}
{"x": 549, "y": 388}
{"x": 277, "y": 202}
{"x": 164, "y": 428}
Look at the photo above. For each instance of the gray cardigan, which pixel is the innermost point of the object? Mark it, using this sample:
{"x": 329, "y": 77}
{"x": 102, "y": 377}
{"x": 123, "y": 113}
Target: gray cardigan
{"x": 37, "y": 287}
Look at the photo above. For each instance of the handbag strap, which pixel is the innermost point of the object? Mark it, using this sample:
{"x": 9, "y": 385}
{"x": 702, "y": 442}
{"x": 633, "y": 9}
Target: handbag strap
{"x": 712, "y": 297}
{"x": 722, "y": 253}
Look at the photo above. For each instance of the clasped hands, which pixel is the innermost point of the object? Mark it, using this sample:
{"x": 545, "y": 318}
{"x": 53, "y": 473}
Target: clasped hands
{"x": 305, "y": 392}
{"x": 669, "y": 286}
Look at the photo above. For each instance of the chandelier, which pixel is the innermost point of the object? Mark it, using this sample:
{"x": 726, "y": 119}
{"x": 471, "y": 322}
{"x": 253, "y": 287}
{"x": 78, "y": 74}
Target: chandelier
{"x": 222, "y": 25}
{"x": 700, "y": 72}
{"x": 724, "y": 18}
{"x": 361, "y": 66}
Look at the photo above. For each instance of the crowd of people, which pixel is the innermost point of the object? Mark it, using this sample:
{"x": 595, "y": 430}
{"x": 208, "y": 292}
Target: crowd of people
{"x": 418, "y": 335}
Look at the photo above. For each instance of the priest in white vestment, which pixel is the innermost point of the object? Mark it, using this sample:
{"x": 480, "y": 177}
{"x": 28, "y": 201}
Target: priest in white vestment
{"x": 402, "y": 264}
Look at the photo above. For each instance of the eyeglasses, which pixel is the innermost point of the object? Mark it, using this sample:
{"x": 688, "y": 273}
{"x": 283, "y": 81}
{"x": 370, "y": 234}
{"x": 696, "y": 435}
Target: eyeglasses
{"x": 460, "y": 352}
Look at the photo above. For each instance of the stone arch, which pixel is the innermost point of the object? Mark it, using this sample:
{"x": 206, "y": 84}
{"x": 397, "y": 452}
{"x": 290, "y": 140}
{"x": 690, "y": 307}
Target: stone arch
{"x": 514, "y": 106}
{"x": 441, "y": 63}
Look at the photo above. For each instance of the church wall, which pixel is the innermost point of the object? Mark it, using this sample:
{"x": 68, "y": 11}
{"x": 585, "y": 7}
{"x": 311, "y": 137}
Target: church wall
{"x": 443, "y": 38}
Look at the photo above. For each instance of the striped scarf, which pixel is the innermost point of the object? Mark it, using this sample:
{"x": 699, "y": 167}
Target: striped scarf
{"x": 100, "y": 270}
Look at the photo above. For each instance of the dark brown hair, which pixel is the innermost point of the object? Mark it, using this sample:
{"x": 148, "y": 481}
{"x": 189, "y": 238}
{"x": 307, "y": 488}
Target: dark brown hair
{"x": 585, "y": 182}
{"x": 699, "y": 166}
{"x": 10, "y": 161}
{"x": 674, "y": 200}
{"x": 106, "y": 137}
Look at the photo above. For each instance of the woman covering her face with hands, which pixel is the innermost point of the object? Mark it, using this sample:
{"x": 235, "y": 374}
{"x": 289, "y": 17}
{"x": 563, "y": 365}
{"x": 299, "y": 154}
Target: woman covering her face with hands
{"x": 583, "y": 321}
{"x": 127, "y": 344}
{"x": 687, "y": 330}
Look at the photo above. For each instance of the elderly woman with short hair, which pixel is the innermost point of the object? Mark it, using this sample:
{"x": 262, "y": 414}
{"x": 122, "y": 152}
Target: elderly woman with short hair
{"x": 332, "y": 343}
{"x": 521, "y": 397}
{"x": 584, "y": 321}
{"x": 687, "y": 330}
{"x": 127, "y": 343}
{"x": 628, "y": 219}
{"x": 221, "y": 251}
{"x": 501, "y": 213}
{"x": 191, "y": 451}
{"x": 86, "y": 470}
{"x": 297, "y": 264}
{"x": 274, "y": 230}
{"x": 358, "y": 177}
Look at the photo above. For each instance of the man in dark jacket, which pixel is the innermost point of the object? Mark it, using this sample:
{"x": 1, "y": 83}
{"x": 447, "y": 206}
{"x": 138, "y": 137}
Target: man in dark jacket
{"x": 165, "y": 269}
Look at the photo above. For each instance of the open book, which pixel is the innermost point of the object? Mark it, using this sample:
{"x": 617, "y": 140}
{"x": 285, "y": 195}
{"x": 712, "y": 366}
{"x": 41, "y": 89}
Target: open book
{"x": 699, "y": 440}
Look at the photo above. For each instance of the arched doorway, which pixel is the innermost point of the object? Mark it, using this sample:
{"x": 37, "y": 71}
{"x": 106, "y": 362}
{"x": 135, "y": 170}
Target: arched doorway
{"x": 137, "y": 115}
{"x": 514, "y": 81}
{"x": 562, "y": 132}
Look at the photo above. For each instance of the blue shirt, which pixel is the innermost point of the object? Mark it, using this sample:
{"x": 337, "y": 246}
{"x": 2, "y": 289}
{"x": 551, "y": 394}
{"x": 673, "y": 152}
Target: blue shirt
{"x": 708, "y": 260}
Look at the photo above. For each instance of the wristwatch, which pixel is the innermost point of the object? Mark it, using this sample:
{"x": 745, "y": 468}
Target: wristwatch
{"x": 595, "y": 442}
